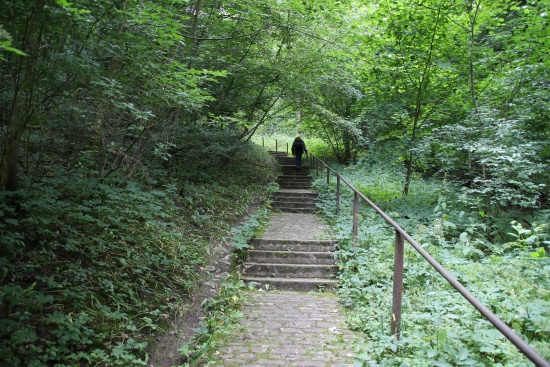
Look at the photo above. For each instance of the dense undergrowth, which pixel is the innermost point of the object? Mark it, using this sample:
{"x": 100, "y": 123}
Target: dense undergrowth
{"x": 90, "y": 271}
{"x": 501, "y": 258}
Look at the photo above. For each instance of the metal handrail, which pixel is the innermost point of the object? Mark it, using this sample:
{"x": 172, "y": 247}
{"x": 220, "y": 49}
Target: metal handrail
{"x": 400, "y": 236}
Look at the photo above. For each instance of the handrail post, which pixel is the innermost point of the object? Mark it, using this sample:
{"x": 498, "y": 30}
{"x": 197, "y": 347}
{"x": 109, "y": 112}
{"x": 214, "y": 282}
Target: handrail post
{"x": 317, "y": 169}
{"x": 337, "y": 194}
{"x": 397, "y": 285}
{"x": 287, "y": 148}
{"x": 263, "y": 142}
{"x": 276, "y": 145}
{"x": 328, "y": 176}
{"x": 355, "y": 216}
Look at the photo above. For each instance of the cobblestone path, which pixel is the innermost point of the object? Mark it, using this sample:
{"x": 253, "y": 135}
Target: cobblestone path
{"x": 290, "y": 329}
{"x": 286, "y": 328}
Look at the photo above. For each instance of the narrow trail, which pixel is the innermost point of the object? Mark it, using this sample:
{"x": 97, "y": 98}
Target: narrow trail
{"x": 293, "y": 319}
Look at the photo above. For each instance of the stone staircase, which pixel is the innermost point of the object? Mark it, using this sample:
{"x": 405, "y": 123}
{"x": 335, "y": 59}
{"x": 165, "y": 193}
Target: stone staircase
{"x": 290, "y": 256}
{"x": 300, "y": 265}
{"x": 294, "y": 195}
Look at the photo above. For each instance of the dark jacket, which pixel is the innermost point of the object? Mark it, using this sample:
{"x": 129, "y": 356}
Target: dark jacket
{"x": 298, "y": 146}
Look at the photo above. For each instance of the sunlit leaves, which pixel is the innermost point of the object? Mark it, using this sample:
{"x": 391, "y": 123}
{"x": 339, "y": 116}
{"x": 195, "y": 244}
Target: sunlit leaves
{"x": 6, "y": 44}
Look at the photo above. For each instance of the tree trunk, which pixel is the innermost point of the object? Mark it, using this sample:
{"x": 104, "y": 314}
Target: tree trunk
{"x": 472, "y": 24}
{"x": 408, "y": 177}
{"x": 10, "y": 159}
{"x": 12, "y": 182}
{"x": 418, "y": 107}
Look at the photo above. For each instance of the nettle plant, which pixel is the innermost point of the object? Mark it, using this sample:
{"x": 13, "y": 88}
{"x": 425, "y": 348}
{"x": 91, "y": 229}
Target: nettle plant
{"x": 439, "y": 327}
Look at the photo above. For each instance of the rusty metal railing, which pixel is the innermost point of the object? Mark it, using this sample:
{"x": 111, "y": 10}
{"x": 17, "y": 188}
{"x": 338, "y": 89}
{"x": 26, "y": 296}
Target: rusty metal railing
{"x": 400, "y": 236}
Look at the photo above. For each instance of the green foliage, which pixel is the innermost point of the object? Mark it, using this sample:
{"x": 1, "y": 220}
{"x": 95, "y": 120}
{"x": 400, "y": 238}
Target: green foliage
{"x": 104, "y": 105}
{"x": 315, "y": 145}
{"x": 340, "y": 134}
{"x": 252, "y": 228}
{"x": 90, "y": 271}
{"x": 5, "y": 44}
{"x": 453, "y": 88}
{"x": 332, "y": 115}
{"x": 439, "y": 328}
{"x": 319, "y": 148}
{"x": 501, "y": 170}
{"x": 102, "y": 263}
{"x": 222, "y": 314}
{"x": 199, "y": 152}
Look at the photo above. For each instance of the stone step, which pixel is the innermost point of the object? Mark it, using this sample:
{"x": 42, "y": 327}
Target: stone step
{"x": 294, "y": 284}
{"x": 293, "y": 178}
{"x": 291, "y": 166}
{"x": 297, "y": 210}
{"x": 291, "y": 163}
{"x": 286, "y": 181}
{"x": 290, "y": 270}
{"x": 293, "y": 245}
{"x": 294, "y": 185}
{"x": 294, "y": 172}
{"x": 290, "y": 257}
{"x": 290, "y": 159}
{"x": 304, "y": 194}
{"x": 300, "y": 265}
{"x": 293, "y": 199}
{"x": 293, "y": 204}
{"x": 300, "y": 193}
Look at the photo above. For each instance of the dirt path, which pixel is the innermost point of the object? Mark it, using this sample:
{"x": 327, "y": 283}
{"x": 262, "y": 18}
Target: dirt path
{"x": 181, "y": 327}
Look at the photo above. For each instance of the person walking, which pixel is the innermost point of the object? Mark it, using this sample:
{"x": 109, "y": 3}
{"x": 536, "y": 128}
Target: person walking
{"x": 298, "y": 149}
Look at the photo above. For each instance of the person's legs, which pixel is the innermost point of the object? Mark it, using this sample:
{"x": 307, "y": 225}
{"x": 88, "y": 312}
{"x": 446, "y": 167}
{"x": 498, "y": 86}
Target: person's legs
{"x": 299, "y": 160}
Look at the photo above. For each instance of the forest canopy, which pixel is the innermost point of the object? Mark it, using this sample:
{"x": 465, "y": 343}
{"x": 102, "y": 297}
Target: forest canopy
{"x": 106, "y": 88}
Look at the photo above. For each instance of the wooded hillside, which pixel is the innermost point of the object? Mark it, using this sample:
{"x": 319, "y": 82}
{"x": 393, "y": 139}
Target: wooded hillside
{"x": 126, "y": 127}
